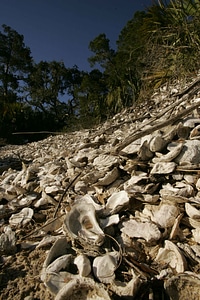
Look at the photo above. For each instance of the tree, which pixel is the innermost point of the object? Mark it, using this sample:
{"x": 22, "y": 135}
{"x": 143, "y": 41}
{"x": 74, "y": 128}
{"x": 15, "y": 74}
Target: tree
{"x": 103, "y": 54}
{"x": 46, "y": 87}
{"x": 92, "y": 98}
{"x": 52, "y": 90}
{"x": 15, "y": 65}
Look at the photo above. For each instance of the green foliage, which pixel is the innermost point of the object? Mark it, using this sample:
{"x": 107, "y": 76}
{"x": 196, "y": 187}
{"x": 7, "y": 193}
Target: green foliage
{"x": 172, "y": 31}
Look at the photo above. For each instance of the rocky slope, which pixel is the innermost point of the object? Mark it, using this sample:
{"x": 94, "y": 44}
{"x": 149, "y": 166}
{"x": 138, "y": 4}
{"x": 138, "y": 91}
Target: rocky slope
{"x": 124, "y": 195}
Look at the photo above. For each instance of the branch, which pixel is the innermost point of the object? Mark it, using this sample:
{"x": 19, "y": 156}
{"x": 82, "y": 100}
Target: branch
{"x": 133, "y": 137}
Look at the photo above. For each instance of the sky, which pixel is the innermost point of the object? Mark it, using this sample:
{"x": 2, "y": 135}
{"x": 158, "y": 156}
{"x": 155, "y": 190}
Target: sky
{"x": 61, "y": 30}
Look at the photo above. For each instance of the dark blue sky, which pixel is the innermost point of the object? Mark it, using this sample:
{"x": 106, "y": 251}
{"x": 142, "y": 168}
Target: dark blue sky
{"x": 62, "y": 29}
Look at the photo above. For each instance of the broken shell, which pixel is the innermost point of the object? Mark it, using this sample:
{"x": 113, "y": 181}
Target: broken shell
{"x": 180, "y": 189}
{"x": 195, "y": 133}
{"x": 59, "y": 248}
{"x": 59, "y": 263}
{"x": 164, "y": 214}
{"x": 192, "y": 212}
{"x": 190, "y": 152}
{"x": 81, "y": 223}
{"x": 83, "y": 289}
{"x": 126, "y": 290}
{"x": 110, "y": 220}
{"x": 21, "y": 218}
{"x": 83, "y": 264}
{"x": 105, "y": 161}
{"x": 116, "y": 202}
{"x": 110, "y": 177}
{"x": 196, "y": 235}
{"x": 137, "y": 229}
{"x": 104, "y": 266}
{"x": 7, "y": 242}
{"x": 157, "y": 143}
{"x": 170, "y": 155}
{"x": 163, "y": 168}
{"x": 144, "y": 152}
{"x": 172, "y": 256}
{"x": 183, "y": 286}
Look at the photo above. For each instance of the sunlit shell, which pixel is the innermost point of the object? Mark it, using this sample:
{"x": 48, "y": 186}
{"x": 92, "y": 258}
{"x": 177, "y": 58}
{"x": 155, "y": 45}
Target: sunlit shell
{"x": 196, "y": 234}
{"x": 22, "y": 202}
{"x": 195, "y": 133}
{"x": 87, "y": 199}
{"x": 198, "y": 184}
{"x": 172, "y": 256}
{"x": 104, "y": 266}
{"x": 116, "y": 202}
{"x": 164, "y": 214}
{"x": 190, "y": 152}
{"x": 109, "y": 177}
{"x": 59, "y": 263}
{"x": 180, "y": 189}
{"x": 105, "y": 161}
{"x": 21, "y": 218}
{"x": 132, "y": 148}
{"x": 81, "y": 223}
{"x": 59, "y": 248}
{"x": 163, "y": 168}
{"x": 83, "y": 264}
{"x": 110, "y": 220}
{"x": 176, "y": 232}
{"x": 136, "y": 178}
{"x": 83, "y": 289}
{"x": 170, "y": 155}
{"x": 195, "y": 223}
{"x": 192, "y": 212}
{"x": 138, "y": 229}
{"x": 45, "y": 199}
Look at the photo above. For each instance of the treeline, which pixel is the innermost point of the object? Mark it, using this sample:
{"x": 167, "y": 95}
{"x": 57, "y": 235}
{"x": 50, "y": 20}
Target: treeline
{"x": 157, "y": 45}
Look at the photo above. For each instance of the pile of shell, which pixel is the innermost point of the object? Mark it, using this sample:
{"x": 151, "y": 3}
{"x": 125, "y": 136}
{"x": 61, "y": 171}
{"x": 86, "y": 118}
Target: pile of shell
{"x": 124, "y": 200}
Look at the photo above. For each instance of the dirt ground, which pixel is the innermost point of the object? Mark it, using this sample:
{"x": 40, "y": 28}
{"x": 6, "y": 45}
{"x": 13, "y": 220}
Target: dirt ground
{"x": 20, "y": 276}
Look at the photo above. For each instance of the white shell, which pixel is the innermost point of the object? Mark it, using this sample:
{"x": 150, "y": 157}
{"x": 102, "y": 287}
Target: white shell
{"x": 81, "y": 222}
{"x": 83, "y": 264}
{"x": 192, "y": 212}
{"x": 21, "y": 218}
{"x": 104, "y": 266}
{"x": 170, "y": 155}
{"x": 109, "y": 177}
{"x": 137, "y": 229}
{"x": 182, "y": 189}
{"x": 196, "y": 235}
{"x": 105, "y": 161}
{"x": 59, "y": 248}
{"x": 163, "y": 168}
{"x": 59, "y": 263}
{"x": 116, "y": 202}
{"x": 172, "y": 256}
{"x": 164, "y": 214}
